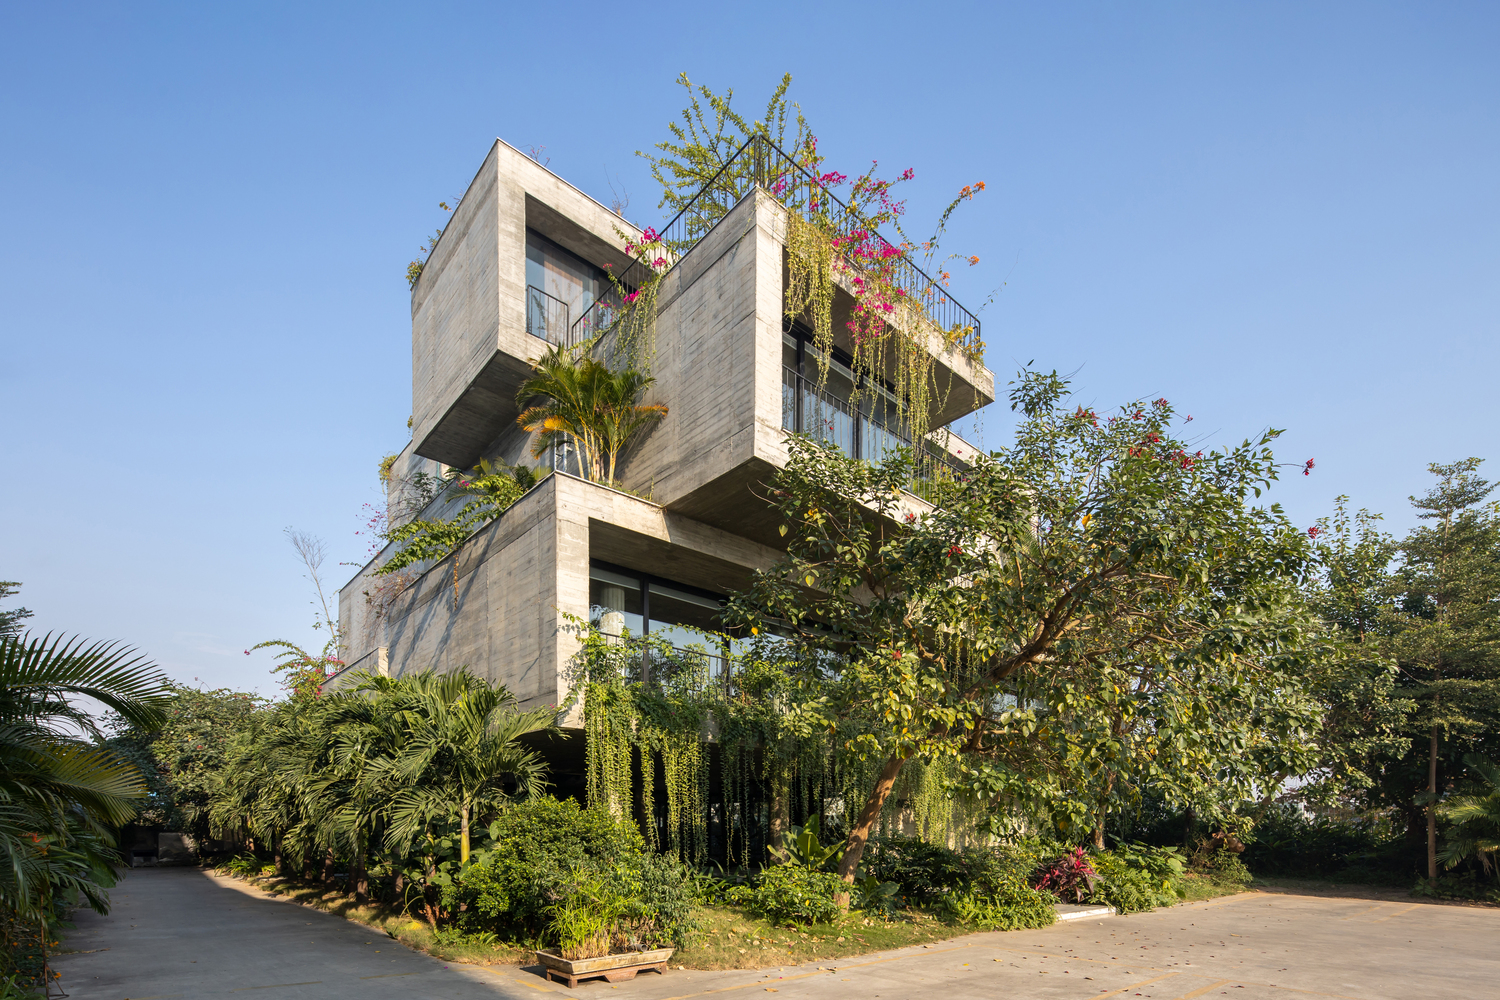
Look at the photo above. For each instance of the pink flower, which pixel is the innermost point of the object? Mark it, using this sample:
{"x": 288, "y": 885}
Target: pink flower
{"x": 1307, "y": 468}
{"x": 631, "y": 297}
{"x": 659, "y": 262}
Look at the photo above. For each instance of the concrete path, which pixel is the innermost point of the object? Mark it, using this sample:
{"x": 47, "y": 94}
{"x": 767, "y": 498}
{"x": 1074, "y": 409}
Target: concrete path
{"x": 178, "y": 932}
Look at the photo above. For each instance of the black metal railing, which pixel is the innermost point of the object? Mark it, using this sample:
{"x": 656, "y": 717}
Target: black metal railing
{"x": 859, "y": 431}
{"x": 659, "y": 664}
{"x": 547, "y": 316}
{"x": 760, "y": 162}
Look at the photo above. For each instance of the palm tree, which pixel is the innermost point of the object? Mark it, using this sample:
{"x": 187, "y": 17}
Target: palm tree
{"x": 587, "y": 403}
{"x": 459, "y": 752}
{"x": 1476, "y": 820}
{"x": 60, "y": 790}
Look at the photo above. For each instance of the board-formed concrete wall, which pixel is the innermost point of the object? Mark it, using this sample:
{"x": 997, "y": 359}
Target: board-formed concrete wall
{"x": 520, "y": 578}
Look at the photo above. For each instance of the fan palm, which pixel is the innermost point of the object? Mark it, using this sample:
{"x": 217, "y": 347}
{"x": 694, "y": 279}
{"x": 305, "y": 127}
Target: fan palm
{"x": 1475, "y": 819}
{"x": 59, "y": 793}
{"x": 460, "y": 750}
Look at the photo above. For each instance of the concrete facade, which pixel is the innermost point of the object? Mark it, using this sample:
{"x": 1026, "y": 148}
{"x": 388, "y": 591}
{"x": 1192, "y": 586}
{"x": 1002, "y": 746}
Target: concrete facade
{"x": 501, "y": 606}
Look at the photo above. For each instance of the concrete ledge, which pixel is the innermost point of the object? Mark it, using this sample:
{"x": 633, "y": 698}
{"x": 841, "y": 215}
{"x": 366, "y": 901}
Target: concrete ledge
{"x": 1071, "y": 911}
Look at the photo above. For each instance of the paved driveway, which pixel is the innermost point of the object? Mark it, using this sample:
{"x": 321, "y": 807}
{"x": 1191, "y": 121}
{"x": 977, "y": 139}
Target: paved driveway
{"x": 178, "y": 932}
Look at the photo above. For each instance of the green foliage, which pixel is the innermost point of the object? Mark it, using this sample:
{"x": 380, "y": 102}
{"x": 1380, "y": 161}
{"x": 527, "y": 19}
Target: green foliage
{"x": 60, "y": 794}
{"x": 1129, "y": 619}
{"x": 802, "y": 846}
{"x": 1473, "y": 830}
{"x": 578, "y": 877}
{"x": 1011, "y": 907}
{"x": 1134, "y": 877}
{"x": 703, "y": 143}
{"x": 1290, "y": 841}
{"x": 183, "y": 760}
{"x": 491, "y": 489}
{"x": 792, "y": 894}
{"x": 10, "y": 621}
{"x": 588, "y": 403}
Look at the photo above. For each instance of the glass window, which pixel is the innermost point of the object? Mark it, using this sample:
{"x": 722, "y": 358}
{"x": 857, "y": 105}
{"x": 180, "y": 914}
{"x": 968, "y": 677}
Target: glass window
{"x": 678, "y": 616}
{"x": 614, "y": 602}
{"x": 560, "y": 287}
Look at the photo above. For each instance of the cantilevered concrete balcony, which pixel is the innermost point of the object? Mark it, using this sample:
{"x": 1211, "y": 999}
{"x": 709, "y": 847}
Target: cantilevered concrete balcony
{"x": 475, "y": 320}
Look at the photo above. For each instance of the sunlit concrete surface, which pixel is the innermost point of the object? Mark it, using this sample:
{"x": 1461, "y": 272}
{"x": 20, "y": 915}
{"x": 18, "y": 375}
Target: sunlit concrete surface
{"x": 181, "y": 933}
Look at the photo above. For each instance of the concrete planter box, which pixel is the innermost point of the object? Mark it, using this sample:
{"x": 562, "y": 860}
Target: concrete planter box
{"x": 613, "y": 968}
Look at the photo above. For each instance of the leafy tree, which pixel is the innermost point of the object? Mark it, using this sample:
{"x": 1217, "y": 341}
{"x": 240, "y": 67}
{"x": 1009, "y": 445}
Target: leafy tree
{"x": 1364, "y": 712}
{"x": 183, "y": 760}
{"x": 10, "y": 621}
{"x": 1088, "y": 547}
{"x": 1448, "y": 646}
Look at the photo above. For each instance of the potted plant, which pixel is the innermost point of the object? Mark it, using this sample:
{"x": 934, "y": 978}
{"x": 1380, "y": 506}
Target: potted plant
{"x": 600, "y": 933}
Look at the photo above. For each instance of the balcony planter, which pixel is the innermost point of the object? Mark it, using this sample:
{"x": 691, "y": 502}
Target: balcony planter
{"x": 613, "y": 968}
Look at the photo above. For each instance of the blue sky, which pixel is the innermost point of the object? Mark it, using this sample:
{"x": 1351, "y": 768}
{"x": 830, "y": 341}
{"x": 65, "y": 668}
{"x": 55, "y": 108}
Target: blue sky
{"x": 1271, "y": 214}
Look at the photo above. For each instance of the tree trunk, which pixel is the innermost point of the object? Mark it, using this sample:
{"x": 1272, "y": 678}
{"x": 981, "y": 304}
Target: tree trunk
{"x": 359, "y": 878}
{"x": 860, "y": 834}
{"x": 463, "y": 836}
{"x": 1432, "y": 788}
{"x": 276, "y": 854}
{"x": 1109, "y": 786}
{"x": 1189, "y": 821}
{"x": 781, "y": 819}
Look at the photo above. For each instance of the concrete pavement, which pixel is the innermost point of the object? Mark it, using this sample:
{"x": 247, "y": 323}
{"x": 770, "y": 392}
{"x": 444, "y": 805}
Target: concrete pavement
{"x": 180, "y": 933}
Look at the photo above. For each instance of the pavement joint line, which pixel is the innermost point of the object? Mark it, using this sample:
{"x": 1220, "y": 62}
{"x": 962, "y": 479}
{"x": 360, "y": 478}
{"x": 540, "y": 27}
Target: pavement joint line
{"x": 1404, "y": 909}
{"x": 277, "y": 986}
{"x": 1134, "y": 986}
{"x": 1366, "y": 911}
{"x": 1204, "y": 989}
{"x": 1073, "y": 958}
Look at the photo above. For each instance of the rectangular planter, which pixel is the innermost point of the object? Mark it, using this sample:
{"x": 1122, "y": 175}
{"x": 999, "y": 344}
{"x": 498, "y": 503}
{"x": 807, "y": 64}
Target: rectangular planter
{"x": 613, "y": 968}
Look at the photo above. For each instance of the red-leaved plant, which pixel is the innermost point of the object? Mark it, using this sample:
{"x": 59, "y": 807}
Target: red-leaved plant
{"x": 1070, "y": 878}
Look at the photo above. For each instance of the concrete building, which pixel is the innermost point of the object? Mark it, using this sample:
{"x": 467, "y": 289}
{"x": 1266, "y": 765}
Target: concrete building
{"x": 522, "y": 265}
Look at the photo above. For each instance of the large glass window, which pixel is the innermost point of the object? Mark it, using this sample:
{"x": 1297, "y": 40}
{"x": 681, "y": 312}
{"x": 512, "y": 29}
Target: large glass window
{"x": 615, "y": 602}
{"x": 560, "y": 287}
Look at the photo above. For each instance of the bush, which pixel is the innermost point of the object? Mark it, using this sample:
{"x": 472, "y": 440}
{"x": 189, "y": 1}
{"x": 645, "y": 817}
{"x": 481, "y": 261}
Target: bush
{"x": 929, "y": 873}
{"x": 1070, "y": 877}
{"x": 792, "y": 894}
{"x": 1224, "y": 868}
{"x": 537, "y": 848}
{"x": 1134, "y": 878}
{"x": 579, "y": 877}
{"x": 1011, "y": 907}
{"x": 1287, "y": 841}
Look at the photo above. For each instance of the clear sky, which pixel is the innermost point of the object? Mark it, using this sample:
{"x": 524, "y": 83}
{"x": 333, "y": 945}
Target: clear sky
{"x": 1271, "y": 214}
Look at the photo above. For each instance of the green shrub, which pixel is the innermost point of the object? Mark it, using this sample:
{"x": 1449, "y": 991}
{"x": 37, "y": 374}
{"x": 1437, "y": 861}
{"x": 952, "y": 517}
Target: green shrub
{"x": 580, "y": 878}
{"x": 929, "y": 873}
{"x": 1008, "y": 906}
{"x": 1134, "y": 878}
{"x": 792, "y": 894}
{"x": 1224, "y": 868}
{"x": 536, "y": 847}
